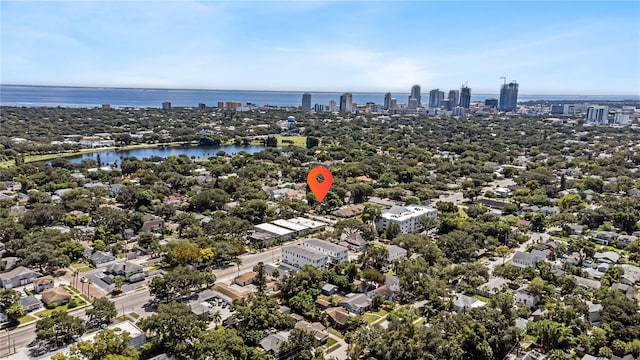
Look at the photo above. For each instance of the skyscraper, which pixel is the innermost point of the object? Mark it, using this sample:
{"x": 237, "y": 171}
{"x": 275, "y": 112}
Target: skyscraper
{"x": 413, "y": 103}
{"x": 454, "y": 95}
{"x": 597, "y": 114}
{"x": 306, "y": 102}
{"x": 415, "y": 93}
{"x": 332, "y": 106}
{"x": 435, "y": 96}
{"x": 465, "y": 97}
{"x": 387, "y": 100}
{"x": 346, "y": 102}
{"x": 509, "y": 96}
{"x": 393, "y": 104}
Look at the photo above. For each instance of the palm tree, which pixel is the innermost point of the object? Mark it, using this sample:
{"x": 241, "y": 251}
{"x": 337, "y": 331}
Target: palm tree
{"x": 216, "y": 317}
{"x": 75, "y": 278}
{"x": 238, "y": 262}
{"x": 118, "y": 282}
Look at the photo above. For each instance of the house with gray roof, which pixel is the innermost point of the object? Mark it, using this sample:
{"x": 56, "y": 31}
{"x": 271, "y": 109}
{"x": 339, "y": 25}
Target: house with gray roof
{"x": 587, "y": 283}
{"x": 18, "y": 277}
{"x": 493, "y": 286}
{"x": 356, "y": 303}
{"x": 101, "y": 258}
{"x": 608, "y": 257}
{"x": 271, "y": 344}
{"x": 523, "y": 259}
{"x": 395, "y": 253}
{"x": 29, "y": 303}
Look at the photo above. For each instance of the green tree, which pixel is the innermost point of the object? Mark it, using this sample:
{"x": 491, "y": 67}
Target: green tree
{"x": 552, "y": 335}
{"x": 105, "y": 345}
{"x": 299, "y": 346}
{"x": 103, "y": 310}
{"x": 59, "y": 326}
{"x": 174, "y": 327}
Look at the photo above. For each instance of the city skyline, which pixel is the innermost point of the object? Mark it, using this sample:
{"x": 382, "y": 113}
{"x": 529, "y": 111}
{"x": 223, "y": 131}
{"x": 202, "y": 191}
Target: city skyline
{"x": 548, "y": 47}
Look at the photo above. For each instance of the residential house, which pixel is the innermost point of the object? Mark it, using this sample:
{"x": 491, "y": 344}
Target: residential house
{"x": 322, "y": 304}
{"x": 392, "y": 282}
{"x": 298, "y": 256}
{"x": 523, "y": 296}
{"x": 349, "y": 211}
{"x": 337, "y": 316}
{"x": 523, "y": 260}
{"x": 29, "y": 303}
{"x": 42, "y": 283}
{"x": 317, "y": 329}
{"x": 605, "y": 237}
{"x": 354, "y": 239}
{"x": 549, "y": 211}
{"x": 631, "y": 274}
{"x": 539, "y": 314}
{"x": 271, "y": 344}
{"x": 395, "y": 253}
{"x": 463, "y": 303}
{"x": 594, "y": 313}
{"x": 56, "y": 295}
{"x": 329, "y": 289}
{"x": 493, "y": 286}
{"x": 574, "y": 229}
{"x": 383, "y": 291}
{"x": 227, "y": 293}
{"x": 131, "y": 271}
{"x": 18, "y": 277}
{"x": 151, "y": 225}
{"x": 625, "y": 240}
{"x": 608, "y": 257}
{"x": 101, "y": 258}
{"x": 587, "y": 283}
{"x": 245, "y": 279}
{"x": 356, "y": 303}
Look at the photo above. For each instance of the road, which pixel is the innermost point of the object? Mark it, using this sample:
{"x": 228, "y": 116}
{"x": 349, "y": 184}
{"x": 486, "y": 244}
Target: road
{"x": 22, "y": 336}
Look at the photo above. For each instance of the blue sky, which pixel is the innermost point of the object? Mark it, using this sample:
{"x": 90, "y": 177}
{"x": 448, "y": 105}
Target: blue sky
{"x": 549, "y": 47}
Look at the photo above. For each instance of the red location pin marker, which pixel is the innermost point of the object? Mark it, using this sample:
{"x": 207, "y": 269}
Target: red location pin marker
{"x": 320, "y": 189}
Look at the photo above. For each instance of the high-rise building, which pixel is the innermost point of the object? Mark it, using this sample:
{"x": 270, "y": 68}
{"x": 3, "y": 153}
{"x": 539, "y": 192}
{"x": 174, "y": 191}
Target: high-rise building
{"x": 306, "y": 102}
{"x": 598, "y": 114}
{"x": 446, "y": 104}
{"x": 202, "y": 106}
{"x": 166, "y": 105}
{"x": 413, "y": 103}
{"x": 435, "y": 97}
{"x": 465, "y": 97}
{"x": 457, "y": 111}
{"x": 415, "y": 93}
{"x": 346, "y": 102}
{"x": 387, "y": 100}
{"x": 509, "y": 96}
{"x": 454, "y": 96}
{"x": 319, "y": 107}
{"x": 393, "y": 104}
{"x": 333, "y": 106}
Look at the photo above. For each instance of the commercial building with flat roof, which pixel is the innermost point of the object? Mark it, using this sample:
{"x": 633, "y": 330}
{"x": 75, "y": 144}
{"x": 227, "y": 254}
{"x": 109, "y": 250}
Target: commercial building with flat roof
{"x": 299, "y": 229}
{"x": 311, "y": 224}
{"x": 278, "y": 231}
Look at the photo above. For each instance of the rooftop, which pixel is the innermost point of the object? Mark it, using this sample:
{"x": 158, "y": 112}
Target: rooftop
{"x": 325, "y": 245}
{"x": 274, "y": 229}
{"x": 401, "y": 213}
{"x": 304, "y": 252}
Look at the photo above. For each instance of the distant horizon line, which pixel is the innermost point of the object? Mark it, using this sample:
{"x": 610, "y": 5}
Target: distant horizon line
{"x": 303, "y": 91}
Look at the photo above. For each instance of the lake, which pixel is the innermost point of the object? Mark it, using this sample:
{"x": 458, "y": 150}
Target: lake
{"x": 198, "y": 152}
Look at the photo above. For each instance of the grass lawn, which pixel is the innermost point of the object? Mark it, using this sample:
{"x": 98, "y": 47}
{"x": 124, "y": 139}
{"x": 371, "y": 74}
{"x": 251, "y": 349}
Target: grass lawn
{"x": 296, "y": 140}
{"x": 370, "y": 318}
{"x": 78, "y": 293}
{"x": 80, "y": 267}
{"x": 482, "y": 298}
{"x": 47, "y": 312}
{"x": 26, "y": 319}
{"x": 6, "y": 164}
{"x": 335, "y": 332}
{"x": 381, "y": 312}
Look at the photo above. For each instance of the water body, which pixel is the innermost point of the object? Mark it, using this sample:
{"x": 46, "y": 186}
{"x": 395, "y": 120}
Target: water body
{"x": 33, "y": 96}
{"x": 197, "y": 152}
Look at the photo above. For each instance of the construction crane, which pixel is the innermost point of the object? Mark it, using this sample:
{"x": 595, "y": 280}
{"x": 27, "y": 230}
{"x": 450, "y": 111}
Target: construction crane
{"x": 505, "y": 79}
{"x": 465, "y": 84}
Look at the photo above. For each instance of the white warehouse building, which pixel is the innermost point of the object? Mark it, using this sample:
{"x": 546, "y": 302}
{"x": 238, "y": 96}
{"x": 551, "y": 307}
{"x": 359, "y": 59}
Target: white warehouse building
{"x": 407, "y": 217}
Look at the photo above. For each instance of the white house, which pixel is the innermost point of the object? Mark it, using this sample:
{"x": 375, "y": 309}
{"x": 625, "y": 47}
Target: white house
{"x": 407, "y": 217}
{"x": 523, "y": 259}
{"x": 523, "y": 296}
